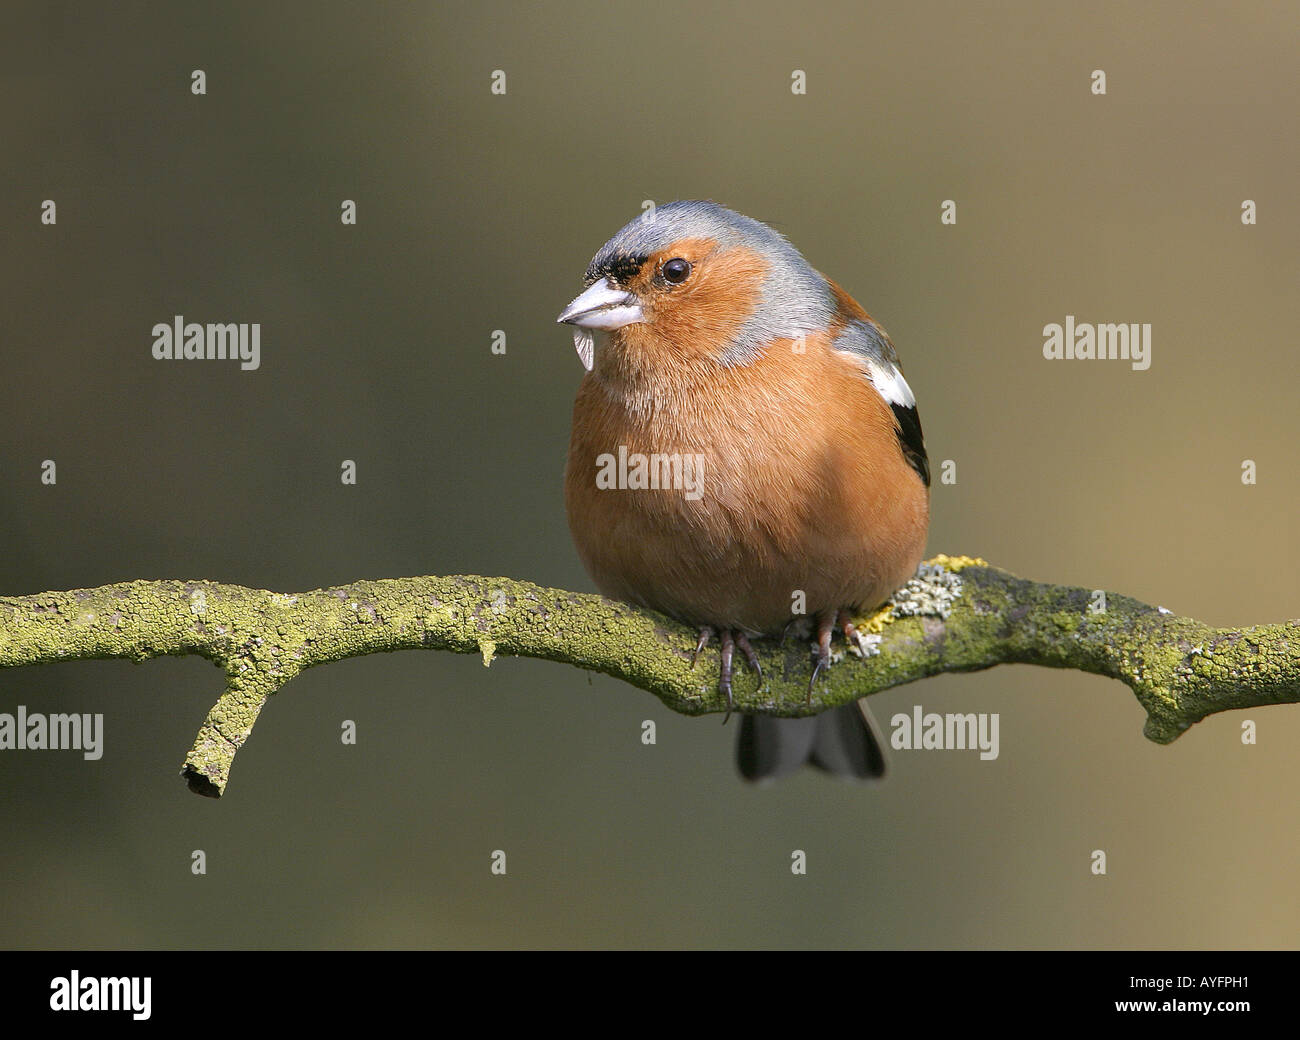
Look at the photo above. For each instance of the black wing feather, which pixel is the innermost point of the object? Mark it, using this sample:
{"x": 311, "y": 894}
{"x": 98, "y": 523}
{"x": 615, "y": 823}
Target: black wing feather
{"x": 868, "y": 340}
{"x": 912, "y": 440}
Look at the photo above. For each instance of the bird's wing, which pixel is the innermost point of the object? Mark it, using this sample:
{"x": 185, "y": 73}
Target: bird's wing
{"x": 867, "y": 343}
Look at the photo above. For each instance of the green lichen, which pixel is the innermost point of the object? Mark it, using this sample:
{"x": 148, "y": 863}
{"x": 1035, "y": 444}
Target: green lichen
{"x": 1179, "y": 669}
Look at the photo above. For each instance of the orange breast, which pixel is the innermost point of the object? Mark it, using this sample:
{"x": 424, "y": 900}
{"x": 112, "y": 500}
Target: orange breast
{"x": 796, "y": 492}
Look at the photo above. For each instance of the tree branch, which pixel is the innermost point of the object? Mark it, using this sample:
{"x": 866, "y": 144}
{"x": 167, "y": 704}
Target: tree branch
{"x": 957, "y": 615}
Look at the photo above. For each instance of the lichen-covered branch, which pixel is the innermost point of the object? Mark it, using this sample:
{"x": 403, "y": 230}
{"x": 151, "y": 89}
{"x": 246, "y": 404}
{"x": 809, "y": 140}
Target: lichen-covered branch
{"x": 957, "y": 615}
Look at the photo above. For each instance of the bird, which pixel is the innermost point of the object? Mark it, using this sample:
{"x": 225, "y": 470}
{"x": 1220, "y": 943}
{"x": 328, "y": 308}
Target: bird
{"x": 744, "y": 452}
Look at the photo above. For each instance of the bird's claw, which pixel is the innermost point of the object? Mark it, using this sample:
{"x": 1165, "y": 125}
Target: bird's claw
{"x": 724, "y": 676}
{"x": 822, "y": 651}
{"x": 751, "y": 658}
{"x": 856, "y": 640}
{"x": 704, "y": 641}
{"x": 821, "y": 654}
{"x": 728, "y": 640}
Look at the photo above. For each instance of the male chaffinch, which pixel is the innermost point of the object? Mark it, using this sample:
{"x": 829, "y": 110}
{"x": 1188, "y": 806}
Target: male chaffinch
{"x": 776, "y": 455}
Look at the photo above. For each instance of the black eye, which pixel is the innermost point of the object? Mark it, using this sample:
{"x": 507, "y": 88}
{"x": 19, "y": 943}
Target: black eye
{"x": 677, "y": 271}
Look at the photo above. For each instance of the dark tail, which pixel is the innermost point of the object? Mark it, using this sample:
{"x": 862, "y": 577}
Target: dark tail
{"x": 842, "y": 741}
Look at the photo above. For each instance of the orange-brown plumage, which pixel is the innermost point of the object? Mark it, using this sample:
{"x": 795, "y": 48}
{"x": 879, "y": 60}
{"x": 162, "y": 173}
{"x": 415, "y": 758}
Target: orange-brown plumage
{"x": 805, "y": 497}
{"x": 804, "y": 489}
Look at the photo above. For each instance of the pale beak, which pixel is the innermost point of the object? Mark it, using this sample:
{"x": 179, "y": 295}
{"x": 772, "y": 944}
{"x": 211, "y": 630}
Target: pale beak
{"x": 603, "y": 306}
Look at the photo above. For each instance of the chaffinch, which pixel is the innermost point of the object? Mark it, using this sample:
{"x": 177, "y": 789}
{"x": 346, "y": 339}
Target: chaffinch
{"x": 744, "y": 449}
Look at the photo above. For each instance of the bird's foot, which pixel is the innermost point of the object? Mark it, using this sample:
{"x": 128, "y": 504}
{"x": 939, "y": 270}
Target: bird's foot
{"x": 821, "y": 654}
{"x": 858, "y": 643}
{"x": 729, "y": 641}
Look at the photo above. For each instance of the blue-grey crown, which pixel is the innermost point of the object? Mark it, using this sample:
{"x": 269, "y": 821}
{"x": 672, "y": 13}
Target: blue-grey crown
{"x": 795, "y": 300}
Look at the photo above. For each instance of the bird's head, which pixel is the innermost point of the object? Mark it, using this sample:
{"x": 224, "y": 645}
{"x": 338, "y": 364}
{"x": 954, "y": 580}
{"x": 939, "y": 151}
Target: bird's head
{"x": 696, "y": 281}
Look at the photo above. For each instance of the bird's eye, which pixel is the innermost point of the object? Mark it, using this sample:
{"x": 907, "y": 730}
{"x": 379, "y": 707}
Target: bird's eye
{"x": 677, "y": 271}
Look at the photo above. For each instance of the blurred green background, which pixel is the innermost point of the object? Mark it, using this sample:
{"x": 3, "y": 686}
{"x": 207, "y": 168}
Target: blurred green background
{"x": 479, "y": 212}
